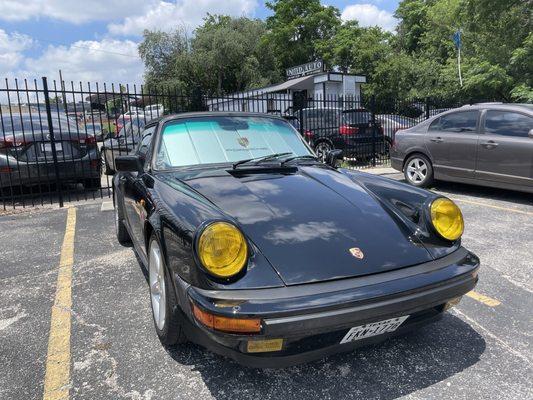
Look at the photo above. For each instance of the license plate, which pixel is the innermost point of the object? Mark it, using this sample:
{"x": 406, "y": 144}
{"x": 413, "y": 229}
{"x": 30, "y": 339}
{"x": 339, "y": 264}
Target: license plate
{"x": 373, "y": 329}
{"x": 47, "y": 147}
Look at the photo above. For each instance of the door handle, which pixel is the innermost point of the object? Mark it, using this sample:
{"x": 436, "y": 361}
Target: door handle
{"x": 437, "y": 140}
{"x": 490, "y": 144}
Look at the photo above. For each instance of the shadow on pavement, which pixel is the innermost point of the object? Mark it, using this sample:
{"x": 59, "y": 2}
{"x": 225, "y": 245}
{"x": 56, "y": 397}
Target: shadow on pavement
{"x": 394, "y": 368}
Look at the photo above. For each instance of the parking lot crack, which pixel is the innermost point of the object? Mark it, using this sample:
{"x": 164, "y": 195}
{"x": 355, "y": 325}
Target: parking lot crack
{"x": 100, "y": 358}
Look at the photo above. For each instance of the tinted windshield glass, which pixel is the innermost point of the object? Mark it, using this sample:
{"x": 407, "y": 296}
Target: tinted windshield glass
{"x": 210, "y": 140}
{"x": 27, "y": 123}
{"x": 132, "y": 127}
{"x": 356, "y": 117}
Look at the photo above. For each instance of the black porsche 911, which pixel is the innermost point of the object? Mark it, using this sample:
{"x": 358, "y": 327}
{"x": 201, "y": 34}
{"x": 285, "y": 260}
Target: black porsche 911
{"x": 259, "y": 252}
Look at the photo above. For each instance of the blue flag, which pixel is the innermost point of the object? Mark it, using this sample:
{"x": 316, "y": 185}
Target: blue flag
{"x": 457, "y": 39}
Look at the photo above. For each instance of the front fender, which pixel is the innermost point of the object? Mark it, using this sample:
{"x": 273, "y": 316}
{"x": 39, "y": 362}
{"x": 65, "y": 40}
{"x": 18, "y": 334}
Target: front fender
{"x": 408, "y": 202}
{"x": 178, "y": 212}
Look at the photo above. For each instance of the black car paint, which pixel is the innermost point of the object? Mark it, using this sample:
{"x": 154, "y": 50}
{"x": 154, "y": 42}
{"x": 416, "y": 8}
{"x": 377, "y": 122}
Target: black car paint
{"x": 386, "y": 219}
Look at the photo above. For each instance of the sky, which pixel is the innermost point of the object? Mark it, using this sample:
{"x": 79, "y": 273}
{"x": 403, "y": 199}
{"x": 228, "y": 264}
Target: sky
{"x": 96, "y": 40}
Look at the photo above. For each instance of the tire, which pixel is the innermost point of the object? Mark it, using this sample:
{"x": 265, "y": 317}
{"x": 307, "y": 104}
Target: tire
{"x": 418, "y": 171}
{"x": 122, "y": 233}
{"x": 322, "y": 149}
{"x": 165, "y": 309}
{"x": 92, "y": 184}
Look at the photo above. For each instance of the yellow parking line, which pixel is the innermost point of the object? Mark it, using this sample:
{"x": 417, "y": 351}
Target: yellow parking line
{"x": 488, "y": 301}
{"x": 57, "y": 377}
{"x": 493, "y": 206}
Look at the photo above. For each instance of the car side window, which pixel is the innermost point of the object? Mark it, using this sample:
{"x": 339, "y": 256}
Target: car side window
{"x": 144, "y": 144}
{"x": 507, "y": 123}
{"x": 465, "y": 121}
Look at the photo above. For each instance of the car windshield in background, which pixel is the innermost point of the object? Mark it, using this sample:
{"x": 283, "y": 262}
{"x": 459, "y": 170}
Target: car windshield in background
{"x": 356, "y": 117}
{"x": 36, "y": 124}
{"x": 131, "y": 127}
{"x": 215, "y": 140}
{"x": 400, "y": 119}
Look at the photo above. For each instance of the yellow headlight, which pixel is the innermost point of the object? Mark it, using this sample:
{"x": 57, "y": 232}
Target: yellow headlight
{"x": 222, "y": 249}
{"x": 447, "y": 219}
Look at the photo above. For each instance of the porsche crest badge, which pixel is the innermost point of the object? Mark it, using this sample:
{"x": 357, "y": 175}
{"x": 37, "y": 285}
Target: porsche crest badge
{"x": 243, "y": 141}
{"x": 357, "y": 253}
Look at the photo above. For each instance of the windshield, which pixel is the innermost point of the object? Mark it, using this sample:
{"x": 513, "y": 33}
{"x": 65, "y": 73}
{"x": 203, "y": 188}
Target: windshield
{"x": 399, "y": 119}
{"x": 213, "y": 139}
{"x": 356, "y": 117}
{"x": 132, "y": 127}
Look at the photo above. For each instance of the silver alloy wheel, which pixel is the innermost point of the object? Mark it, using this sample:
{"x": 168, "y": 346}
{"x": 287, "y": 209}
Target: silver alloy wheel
{"x": 322, "y": 150}
{"x": 157, "y": 285}
{"x": 417, "y": 170}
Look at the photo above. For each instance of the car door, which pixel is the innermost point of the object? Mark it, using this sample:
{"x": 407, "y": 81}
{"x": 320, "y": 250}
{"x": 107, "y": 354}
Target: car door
{"x": 135, "y": 193}
{"x": 505, "y": 152}
{"x": 451, "y": 141}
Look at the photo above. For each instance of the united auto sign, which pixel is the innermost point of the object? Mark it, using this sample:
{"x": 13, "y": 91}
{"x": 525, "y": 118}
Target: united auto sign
{"x": 305, "y": 69}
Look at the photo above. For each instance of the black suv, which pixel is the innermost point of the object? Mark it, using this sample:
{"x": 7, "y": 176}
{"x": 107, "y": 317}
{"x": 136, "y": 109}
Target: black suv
{"x": 350, "y": 130}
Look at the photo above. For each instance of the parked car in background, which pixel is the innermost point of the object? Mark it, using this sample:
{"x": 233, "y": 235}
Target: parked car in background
{"x": 122, "y": 143}
{"x": 154, "y": 111}
{"x": 265, "y": 255}
{"x": 26, "y": 152}
{"x": 352, "y": 131}
{"x": 391, "y": 123}
{"x": 95, "y": 115}
{"x": 436, "y": 111}
{"x": 483, "y": 144}
{"x": 97, "y": 130}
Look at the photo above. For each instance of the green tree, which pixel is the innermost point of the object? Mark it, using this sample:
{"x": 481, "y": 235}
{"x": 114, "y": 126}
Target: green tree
{"x": 299, "y": 30}
{"x": 161, "y": 53}
{"x": 229, "y": 55}
{"x": 225, "y": 55}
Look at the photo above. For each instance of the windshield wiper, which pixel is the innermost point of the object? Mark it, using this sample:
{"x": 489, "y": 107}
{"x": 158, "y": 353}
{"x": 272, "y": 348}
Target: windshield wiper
{"x": 306, "y": 157}
{"x": 262, "y": 158}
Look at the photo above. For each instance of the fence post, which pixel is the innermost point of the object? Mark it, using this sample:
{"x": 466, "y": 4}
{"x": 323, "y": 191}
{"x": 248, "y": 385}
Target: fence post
{"x": 52, "y": 139}
{"x": 373, "y": 119}
{"x": 427, "y": 107}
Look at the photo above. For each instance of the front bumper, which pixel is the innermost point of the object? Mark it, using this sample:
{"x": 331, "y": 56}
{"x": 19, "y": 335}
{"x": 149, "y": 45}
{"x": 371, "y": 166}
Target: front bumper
{"x": 396, "y": 163}
{"x": 312, "y": 319}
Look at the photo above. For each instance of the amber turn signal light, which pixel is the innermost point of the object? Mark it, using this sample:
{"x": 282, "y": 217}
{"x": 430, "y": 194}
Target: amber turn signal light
{"x": 224, "y": 324}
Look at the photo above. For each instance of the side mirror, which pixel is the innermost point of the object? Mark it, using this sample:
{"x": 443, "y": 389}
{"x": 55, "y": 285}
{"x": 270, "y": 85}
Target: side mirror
{"x": 530, "y": 134}
{"x": 332, "y": 156}
{"x": 128, "y": 163}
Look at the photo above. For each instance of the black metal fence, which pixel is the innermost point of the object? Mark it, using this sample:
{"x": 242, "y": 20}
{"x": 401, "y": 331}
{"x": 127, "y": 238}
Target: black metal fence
{"x": 58, "y": 140}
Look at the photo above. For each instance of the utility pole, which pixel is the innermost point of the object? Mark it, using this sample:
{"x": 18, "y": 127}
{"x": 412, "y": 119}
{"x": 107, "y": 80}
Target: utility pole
{"x": 63, "y": 92}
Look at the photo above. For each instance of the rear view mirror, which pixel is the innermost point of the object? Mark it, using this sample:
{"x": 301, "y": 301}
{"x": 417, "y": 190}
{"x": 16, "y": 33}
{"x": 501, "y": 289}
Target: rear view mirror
{"x": 332, "y": 156}
{"x": 530, "y": 134}
{"x": 128, "y": 163}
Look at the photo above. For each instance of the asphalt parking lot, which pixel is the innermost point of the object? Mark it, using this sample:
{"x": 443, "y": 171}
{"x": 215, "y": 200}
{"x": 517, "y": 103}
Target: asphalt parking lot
{"x": 482, "y": 349}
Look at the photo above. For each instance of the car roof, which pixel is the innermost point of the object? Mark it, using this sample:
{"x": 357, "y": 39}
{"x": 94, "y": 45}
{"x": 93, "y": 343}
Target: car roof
{"x": 172, "y": 117}
{"x": 495, "y": 105}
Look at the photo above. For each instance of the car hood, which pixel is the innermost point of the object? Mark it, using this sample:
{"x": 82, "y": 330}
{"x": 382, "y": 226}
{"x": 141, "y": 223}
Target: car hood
{"x": 312, "y": 223}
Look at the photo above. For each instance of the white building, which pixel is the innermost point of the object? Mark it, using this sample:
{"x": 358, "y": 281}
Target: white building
{"x": 308, "y": 86}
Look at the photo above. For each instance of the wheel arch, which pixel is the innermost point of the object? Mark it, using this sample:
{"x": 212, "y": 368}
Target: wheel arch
{"x": 322, "y": 140}
{"x": 413, "y": 153}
